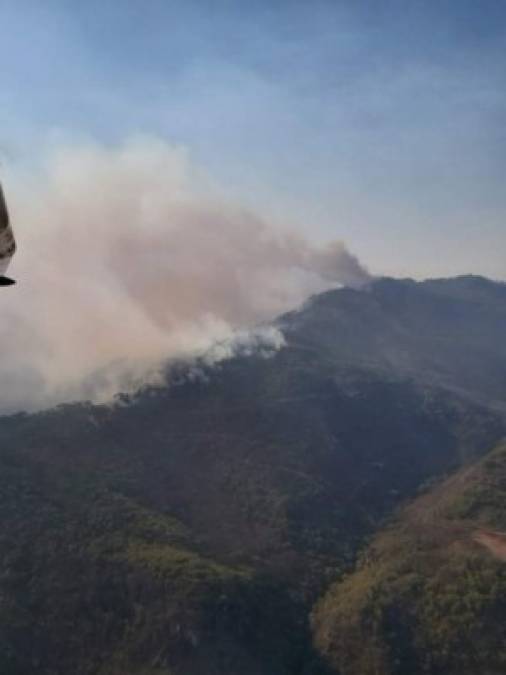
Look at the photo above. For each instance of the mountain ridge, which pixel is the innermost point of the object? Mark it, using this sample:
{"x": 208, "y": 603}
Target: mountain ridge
{"x": 451, "y": 329}
{"x": 229, "y": 503}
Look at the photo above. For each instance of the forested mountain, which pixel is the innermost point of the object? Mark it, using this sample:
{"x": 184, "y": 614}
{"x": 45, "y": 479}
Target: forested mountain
{"x": 448, "y": 331}
{"x": 429, "y": 593}
{"x": 205, "y": 526}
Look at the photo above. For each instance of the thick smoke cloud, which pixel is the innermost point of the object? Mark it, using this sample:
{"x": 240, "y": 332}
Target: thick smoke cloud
{"x": 125, "y": 260}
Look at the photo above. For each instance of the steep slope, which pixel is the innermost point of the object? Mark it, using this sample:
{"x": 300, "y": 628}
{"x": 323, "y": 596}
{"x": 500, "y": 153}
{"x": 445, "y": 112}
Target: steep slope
{"x": 189, "y": 528}
{"x": 448, "y": 332}
{"x": 429, "y": 595}
{"x": 92, "y": 581}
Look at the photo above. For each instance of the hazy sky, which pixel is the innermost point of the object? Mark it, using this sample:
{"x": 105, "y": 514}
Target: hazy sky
{"x": 378, "y": 122}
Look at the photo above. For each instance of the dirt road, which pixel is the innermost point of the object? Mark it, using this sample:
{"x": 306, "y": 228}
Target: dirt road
{"x": 495, "y": 542}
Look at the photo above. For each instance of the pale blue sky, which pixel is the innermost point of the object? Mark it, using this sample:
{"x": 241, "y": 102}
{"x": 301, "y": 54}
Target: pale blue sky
{"x": 381, "y": 123}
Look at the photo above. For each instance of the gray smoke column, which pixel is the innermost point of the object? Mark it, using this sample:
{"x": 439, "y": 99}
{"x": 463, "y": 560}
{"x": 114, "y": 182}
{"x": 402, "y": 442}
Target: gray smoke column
{"x": 125, "y": 258}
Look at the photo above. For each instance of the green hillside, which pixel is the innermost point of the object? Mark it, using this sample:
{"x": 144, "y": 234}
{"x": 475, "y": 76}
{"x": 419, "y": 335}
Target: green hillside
{"x": 93, "y": 581}
{"x": 429, "y": 594}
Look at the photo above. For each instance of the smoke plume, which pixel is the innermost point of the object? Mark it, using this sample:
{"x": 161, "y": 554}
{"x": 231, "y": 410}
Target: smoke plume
{"x": 125, "y": 260}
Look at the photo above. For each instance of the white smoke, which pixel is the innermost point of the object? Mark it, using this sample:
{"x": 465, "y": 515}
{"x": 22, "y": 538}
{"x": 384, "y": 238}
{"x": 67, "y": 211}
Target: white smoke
{"x": 125, "y": 260}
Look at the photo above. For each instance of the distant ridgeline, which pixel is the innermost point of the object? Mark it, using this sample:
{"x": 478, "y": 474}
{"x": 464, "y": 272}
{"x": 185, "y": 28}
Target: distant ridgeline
{"x": 336, "y": 508}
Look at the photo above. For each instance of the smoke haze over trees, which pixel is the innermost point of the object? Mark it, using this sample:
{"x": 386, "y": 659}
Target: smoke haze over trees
{"x": 127, "y": 257}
